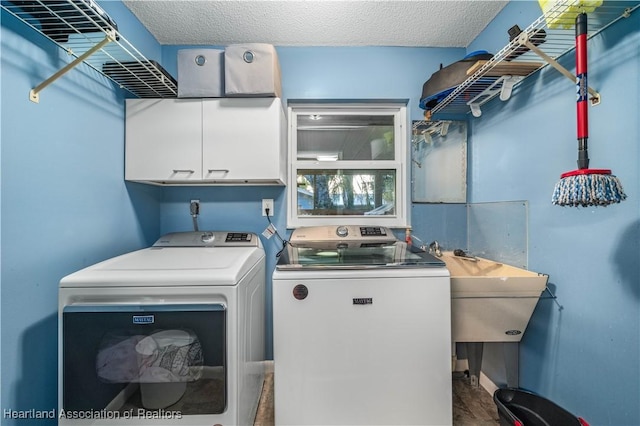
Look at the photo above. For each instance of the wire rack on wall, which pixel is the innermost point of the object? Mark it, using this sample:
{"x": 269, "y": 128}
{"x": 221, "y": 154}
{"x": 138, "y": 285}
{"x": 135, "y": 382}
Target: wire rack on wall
{"x": 529, "y": 50}
{"x": 89, "y": 35}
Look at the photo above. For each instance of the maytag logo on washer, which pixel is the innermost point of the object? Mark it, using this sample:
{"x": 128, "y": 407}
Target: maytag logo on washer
{"x": 300, "y": 292}
{"x": 143, "y": 319}
{"x": 363, "y": 300}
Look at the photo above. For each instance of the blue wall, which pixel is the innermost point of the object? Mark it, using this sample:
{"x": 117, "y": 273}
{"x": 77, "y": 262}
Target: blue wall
{"x": 65, "y": 205}
{"x": 581, "y": 350}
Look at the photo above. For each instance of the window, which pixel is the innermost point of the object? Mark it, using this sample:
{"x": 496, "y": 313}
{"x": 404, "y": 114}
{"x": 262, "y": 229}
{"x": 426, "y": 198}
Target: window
{"x": 347, "y": 164}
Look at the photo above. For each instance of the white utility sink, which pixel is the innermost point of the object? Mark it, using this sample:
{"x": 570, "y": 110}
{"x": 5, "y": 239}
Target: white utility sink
{"x": 491, "y": 301}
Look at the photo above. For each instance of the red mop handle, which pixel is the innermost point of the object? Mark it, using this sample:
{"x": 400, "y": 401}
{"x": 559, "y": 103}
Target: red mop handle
{"x": 582, "y": 89}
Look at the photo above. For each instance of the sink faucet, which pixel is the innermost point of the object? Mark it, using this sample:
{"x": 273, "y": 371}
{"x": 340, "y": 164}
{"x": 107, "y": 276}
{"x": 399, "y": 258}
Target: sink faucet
{"x": 434, "y": 248}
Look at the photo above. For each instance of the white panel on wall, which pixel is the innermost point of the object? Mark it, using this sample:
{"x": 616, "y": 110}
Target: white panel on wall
{"x": 439, "y": 162}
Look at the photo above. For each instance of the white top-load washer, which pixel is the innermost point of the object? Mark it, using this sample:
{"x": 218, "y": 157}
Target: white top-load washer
{"x": 168, "y": 335}
{"x": 362, "y": 330}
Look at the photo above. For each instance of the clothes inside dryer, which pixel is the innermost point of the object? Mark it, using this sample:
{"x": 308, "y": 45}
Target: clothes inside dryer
{"x": 165, "y": 356}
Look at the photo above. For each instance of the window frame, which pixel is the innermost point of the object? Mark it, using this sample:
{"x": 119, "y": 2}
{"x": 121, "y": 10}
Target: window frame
{"x": 402, "y": 186}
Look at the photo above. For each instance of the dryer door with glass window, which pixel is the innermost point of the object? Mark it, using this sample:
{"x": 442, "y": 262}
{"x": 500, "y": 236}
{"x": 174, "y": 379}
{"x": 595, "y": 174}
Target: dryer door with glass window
{"x": 130, "y": 359}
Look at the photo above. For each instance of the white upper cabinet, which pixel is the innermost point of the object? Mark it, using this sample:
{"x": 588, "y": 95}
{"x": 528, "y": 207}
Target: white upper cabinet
{"x": 163, "y": 140}
{"x": 213, "y": 141}
{"x": 243, "y": 139}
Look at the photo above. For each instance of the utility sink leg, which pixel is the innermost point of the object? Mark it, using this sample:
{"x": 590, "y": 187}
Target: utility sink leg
{"x": 474, "y": 357}
{"x": 510, "y": 350}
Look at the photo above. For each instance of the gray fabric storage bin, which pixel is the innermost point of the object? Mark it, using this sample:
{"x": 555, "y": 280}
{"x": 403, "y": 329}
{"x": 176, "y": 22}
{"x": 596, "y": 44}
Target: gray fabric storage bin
{"x": 200, "y": 73}
{"x": 252, "y": 70}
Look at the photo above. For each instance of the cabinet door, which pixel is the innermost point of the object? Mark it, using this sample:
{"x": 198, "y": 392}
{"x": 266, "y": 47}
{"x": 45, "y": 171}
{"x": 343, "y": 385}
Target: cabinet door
{"x": 163, "y": 140}
{"x": 243, "y": 140}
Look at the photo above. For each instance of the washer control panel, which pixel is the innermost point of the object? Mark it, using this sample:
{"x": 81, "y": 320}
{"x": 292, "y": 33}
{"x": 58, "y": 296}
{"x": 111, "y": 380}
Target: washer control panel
{"x": 374, "y": 231}
{"x": 342, "y": 234}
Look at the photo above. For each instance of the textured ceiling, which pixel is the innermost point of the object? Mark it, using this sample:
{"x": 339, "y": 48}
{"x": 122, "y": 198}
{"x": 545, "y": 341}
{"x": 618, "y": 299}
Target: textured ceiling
{"x": 316, "y": 23}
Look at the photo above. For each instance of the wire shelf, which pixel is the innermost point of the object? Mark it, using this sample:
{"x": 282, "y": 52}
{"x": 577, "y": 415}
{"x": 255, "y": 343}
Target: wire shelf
{"x": 86, "y": 32}
{"x": 485, "y": 77}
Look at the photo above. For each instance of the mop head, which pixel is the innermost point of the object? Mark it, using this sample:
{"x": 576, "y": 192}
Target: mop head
{"x": 588, "y": 187}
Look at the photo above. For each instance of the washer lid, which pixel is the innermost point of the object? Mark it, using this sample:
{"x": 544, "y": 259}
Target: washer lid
{"x": 169, "y": 266}
{"x": 365, "y": 256}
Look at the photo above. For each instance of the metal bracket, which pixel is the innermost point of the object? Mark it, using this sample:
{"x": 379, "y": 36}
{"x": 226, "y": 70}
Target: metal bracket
{"x": 503, "y": 85}
{"x": 441, "y": 127}
{"x": 523, "y": 39}
{"x": 34, "y": 94}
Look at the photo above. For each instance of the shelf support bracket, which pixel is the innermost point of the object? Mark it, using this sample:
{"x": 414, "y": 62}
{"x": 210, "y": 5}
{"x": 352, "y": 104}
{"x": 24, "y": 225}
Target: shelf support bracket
{"x": 34, "y": 94}
{"x": 523, "y": 39}
{"x": 503, "y": 85}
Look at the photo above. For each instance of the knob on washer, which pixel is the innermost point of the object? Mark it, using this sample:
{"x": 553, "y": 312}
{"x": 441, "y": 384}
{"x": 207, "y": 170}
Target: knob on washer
{"x": 342, "y": 231}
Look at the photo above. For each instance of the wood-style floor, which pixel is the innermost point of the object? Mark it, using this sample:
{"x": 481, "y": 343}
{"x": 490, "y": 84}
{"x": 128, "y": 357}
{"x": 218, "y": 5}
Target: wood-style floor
{"x": 472, "y": 406}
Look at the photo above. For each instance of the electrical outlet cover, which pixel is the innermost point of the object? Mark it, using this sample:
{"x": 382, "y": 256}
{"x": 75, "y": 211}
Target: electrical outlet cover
{"x": 267, "y": 203}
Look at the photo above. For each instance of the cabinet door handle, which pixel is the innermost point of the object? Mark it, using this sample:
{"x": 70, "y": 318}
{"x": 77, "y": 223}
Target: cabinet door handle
{"x": 183, "y": 171}
{"x": 219, "y": 170}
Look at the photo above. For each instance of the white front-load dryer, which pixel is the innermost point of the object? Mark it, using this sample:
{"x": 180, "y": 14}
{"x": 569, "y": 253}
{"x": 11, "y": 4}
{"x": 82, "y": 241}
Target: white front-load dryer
{"x": 168, "y": 335}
